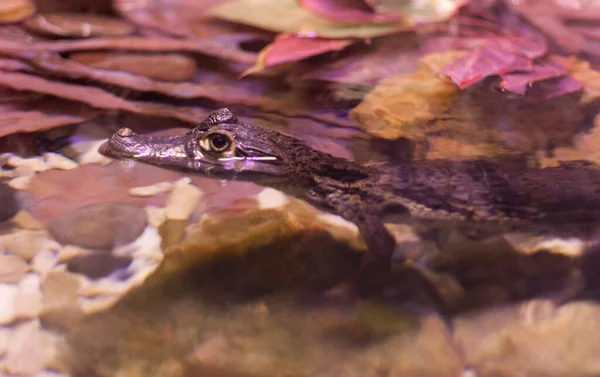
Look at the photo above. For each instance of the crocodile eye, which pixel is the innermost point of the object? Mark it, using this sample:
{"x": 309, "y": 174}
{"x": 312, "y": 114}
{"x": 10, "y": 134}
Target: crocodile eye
{"x": 217, "y": 142}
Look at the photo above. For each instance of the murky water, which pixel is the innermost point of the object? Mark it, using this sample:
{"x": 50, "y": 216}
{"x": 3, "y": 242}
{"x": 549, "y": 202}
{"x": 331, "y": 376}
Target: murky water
{"x": 114, "y": 267}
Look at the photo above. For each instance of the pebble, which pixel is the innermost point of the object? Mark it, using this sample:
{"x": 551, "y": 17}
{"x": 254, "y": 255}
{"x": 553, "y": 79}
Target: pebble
{"x": 97, "y": 265}
{"x": 12, "y": 269}
{"x": 45, "y": 261}
{"x": 29, "y": 300}
{"x": 60, "y": 289}
{"x": 37, "y": 164}
{"x": 92, "y": 156}
{"x": 151, "y": 190}
{"x": 271, "y": 198}
{"x": 182, "y": 201}
{"x": 156, "y": 216}
{"x": 20, "y": 183}
{"x": 8, "y": 293}
{"x": 8, "y": 198}
{"x": 5, "y": 334}
{"x": 58, "y": 161}
{"x": 28, "y": 243}
{"x": 30, "y": 349}
{"x": 101, "y": 226}
{"x": 25, "y": 220}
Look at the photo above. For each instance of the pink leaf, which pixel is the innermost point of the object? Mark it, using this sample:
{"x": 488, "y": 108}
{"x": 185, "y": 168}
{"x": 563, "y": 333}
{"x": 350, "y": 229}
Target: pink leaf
{"x": 290, "y": 48}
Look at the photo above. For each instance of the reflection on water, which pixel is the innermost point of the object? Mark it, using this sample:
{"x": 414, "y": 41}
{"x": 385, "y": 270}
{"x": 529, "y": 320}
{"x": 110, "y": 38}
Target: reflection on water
{"x": 119, "y": 268}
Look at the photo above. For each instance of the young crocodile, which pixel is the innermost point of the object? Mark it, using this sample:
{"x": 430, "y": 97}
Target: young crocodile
{"x": 505, "y": 192}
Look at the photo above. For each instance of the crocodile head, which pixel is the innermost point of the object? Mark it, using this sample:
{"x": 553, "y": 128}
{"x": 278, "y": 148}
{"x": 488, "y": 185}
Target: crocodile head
{"x": 220, "y": 146}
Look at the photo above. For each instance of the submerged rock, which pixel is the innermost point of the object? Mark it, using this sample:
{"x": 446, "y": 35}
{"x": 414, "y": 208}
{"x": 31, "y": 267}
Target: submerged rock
{"x": 8, "y": 198}
{"x": 101, "y": 226}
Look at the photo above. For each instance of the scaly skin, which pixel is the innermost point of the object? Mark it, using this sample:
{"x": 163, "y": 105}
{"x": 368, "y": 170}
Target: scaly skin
{"x": 502, "y": 193}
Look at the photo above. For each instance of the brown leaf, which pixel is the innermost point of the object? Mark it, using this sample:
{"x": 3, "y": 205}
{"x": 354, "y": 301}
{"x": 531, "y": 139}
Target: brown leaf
{"x": 570, "y": 24}
{"x": 40, "y": 114}
{"x": 477, "y": 122}
{"x": 16, "y": 10}
{"x": 97, "y": 97}
{"x": 182, "y": 18}
{"x": 162, "y": 67}
{"x": 498, "y": 56}
{"x": 422, "y": 11}
{"x": 290, "y": 48}
{"x": 225, "y": 47}
{"x": 399, "y": 106}
{"x": 347, "y": 11}
{"x": 366, "y": 63}
{"x": 78, "y": 25}
{"x": 283, "y": 16}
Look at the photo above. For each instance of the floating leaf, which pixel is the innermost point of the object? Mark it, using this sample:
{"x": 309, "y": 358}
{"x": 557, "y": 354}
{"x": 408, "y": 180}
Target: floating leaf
{"x": 286, "y": 16}
{"x": 347, "y": 11}
{"x": 289, "y": 48}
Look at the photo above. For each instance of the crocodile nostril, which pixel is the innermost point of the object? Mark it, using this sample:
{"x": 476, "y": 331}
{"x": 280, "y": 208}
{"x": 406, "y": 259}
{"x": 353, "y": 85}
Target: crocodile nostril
{"x": 124, "y": 132}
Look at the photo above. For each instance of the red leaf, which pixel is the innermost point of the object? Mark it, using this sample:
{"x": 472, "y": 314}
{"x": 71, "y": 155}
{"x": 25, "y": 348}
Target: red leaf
{"x": 290, "y": 48}
{"x": 347, "y": 11}
{"x": 549, "y": 68}
{"x": 491, "y": 59}
{"x": 543, "y": 90}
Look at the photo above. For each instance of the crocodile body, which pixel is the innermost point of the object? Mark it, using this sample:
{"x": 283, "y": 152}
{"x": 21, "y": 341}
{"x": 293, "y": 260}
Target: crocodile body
{"x": 502, "y": 192}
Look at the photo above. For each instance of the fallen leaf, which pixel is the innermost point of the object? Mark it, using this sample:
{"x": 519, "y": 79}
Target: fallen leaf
{"x": 40, "y": 114}
{"x": 287, "y": 16}
{"x": 408, "y": 101}
{"x": 162, "y": 67}
{"x": 16, "y": 10}
{"x": 548, "y": 68}
{"x": 476, "y": 122}
{"x": 182, "y": 18}
{"x": 420, "y": 11}
{"x": 225, "y": 47}
{"x": 290, "y": 47}
{"x": 498, "y": 56}
{"x": 78, "y": 25}
{"x": 97, "y": 97}
{"x": 570, "y": 24}
{"x": 365, "y": 63}
{"x": 347, "y": 11}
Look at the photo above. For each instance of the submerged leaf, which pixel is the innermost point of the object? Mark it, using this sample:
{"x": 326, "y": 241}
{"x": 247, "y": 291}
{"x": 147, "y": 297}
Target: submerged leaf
{"x": 78, "y": 25}
{"x": 347, "y": 11}
{"x": 421, "y": 11}
{"x": 289, "y": 48}
{"x": 226, "y": 47}
{"x": 40, "y": 114}
{"x": 16, "y": 10}
{"x": 283, "y": 16}
{"x": 553, "y": 67}
{"x": 479, "y": 121}
{"x": 97, "y": 97}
